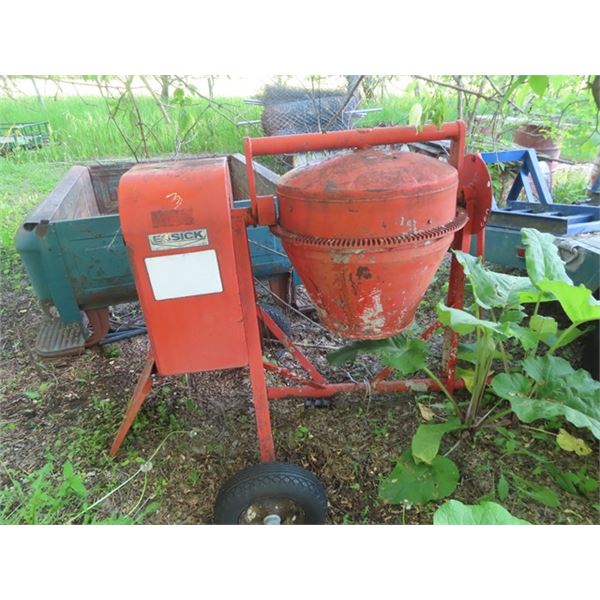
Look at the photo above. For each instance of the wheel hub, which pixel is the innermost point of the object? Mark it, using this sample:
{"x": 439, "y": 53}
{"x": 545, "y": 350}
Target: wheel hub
{"x": 272, "y": 511}
{"x": 272, "y": 520}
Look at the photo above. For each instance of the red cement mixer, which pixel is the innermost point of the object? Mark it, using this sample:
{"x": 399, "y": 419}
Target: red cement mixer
{"x": 366, "y": 231}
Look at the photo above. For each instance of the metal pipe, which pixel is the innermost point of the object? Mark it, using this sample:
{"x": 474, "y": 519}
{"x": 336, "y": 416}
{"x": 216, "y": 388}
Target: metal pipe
{"x": 380, "y": 387}
{"x": 353, "y": 138}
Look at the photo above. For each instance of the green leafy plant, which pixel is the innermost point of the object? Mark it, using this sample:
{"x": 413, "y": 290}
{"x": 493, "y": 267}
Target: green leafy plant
{"x": 503, "y": 296}
{"x": 454, "y": 512}
{"x": 420, "y": 474}
{"x": 37, "y": 395}
{"x": 302, "y": 434}
{"x": 418, "y": 482}
{"x": 569, "y": 187}
{"x": 405, "y": 354}
{"x": 42, "y": 496}
{"x": 577, "y": 483}
{"x": 551, "y": 388}
{"x": 536, "y": 387}
{"x": 51, "y": 496}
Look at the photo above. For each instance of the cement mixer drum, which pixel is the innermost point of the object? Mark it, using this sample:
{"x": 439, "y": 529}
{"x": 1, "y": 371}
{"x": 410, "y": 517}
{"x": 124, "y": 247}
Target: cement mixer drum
{"x": 366, "y": 232}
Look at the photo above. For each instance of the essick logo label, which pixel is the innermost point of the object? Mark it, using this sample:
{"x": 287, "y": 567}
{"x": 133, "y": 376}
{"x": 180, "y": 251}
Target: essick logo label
{"x": 178, "y": 239}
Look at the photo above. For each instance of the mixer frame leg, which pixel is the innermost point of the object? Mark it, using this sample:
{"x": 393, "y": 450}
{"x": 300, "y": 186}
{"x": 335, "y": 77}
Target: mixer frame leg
{"x": 141, "y": 391}
{"x": 250, "y": 312}
{"x": 456, "y": 296}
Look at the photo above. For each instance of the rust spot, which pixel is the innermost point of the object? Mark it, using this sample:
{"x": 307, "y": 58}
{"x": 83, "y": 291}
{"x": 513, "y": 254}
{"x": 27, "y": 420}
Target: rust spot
{"x": 416, "y": 386}
{"x": 364, "y": 273}
{"x": 42, "y": 229}
{"x": 340, "y": 257}
{"x": 372, "y": 317}
{"x": 171, "y": 217}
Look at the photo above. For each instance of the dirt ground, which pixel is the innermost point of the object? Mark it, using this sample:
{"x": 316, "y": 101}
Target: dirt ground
{"x": 205, "y": 424}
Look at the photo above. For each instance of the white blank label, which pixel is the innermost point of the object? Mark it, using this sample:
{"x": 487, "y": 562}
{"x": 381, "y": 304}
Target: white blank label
{"x": 183, "y": 275}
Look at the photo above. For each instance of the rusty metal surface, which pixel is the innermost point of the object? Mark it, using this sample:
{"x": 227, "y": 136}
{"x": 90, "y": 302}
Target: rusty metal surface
{"x": 407, "y": 240}
{"x": 536, "y": 136}
{"x": 99, "y": 321}
{"x": 381, "y": 277}
{"x": 367, "y": 194}
{"x": 366, "y": 232}
{"x": 105, "y": 181}
{"x": 367, "y": 293}
{"x": 178, "y": 315}
{"x": 475, "y": 191}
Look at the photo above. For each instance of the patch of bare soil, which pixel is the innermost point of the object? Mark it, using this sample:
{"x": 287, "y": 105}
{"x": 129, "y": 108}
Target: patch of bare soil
{"x": 70, "y": 409}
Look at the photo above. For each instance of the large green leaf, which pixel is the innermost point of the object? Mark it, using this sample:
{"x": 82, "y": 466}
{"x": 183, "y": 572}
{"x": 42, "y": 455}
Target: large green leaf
{"x": 526, "y": 336}
{"x": 512, "y": 315}
{"x": 546, "y": 369}
{"x": 408, "y": 358}
{"x": 579, "y": 412}
{"x": 511, "y": 385}
{"x": 495, "y": 290}
{"x": 560, "y": 391}
{"x": 426, "y": 441}
{"x": 576, "y": 301}
{"x": 404, "y": 354}
{"x": 349, "y": 352}
{"x": 539, "y": 83}
{"x": 419, "y": 483}
{"x": 542, "y": 258}
{"x": 454, "y": 512}
{"x": 544, "y": 328}
{"x": 463, "y": 322}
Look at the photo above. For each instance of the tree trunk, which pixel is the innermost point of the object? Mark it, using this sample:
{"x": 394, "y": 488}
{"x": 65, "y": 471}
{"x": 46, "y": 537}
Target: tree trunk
{"x": 596, "y": 90}
{"x": 165, "y": 82}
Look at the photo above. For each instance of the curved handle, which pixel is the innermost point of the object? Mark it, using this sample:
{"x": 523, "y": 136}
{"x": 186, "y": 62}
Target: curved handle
{"x": 354, "y": 138}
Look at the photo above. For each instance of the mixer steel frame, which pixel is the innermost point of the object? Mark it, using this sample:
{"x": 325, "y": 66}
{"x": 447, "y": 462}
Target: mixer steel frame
{"x": 474, "y": 195}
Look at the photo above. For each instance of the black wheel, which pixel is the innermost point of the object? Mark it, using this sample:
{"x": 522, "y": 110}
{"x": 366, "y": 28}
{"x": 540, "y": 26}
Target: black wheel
{"x": 272, "y": 494}
{"x": 280, "y": 318}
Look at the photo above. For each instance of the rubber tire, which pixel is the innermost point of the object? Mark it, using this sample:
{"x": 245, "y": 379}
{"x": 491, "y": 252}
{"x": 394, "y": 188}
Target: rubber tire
{"x": 271, "y": 480}
{"x": 280, "y": 318}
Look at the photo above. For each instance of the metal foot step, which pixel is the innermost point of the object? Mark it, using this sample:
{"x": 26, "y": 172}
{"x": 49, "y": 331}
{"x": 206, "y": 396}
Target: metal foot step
{"x": 57, "y": 339}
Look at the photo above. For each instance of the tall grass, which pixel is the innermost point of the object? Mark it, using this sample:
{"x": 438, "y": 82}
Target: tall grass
{"x": 22, "y": 186}
{"x": 81, "y": 128}
{"x": 395, "y": 109}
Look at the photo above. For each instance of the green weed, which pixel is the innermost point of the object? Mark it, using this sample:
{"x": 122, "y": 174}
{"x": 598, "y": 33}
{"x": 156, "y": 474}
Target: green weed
{"x": 80, "y": 128}
{"x": 569, "y": 187}
{"x": 301, "y": 434}
{"x": 52, "y": 496}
